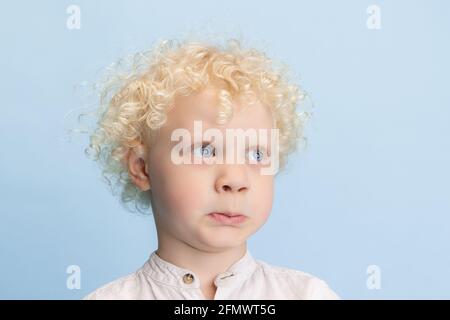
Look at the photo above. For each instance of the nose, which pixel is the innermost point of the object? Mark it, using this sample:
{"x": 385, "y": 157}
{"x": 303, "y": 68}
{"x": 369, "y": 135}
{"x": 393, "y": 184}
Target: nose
{"x": 233, "y": 178}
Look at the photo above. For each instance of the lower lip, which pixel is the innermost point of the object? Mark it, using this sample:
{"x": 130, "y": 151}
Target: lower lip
{"x": 227, "y": 219}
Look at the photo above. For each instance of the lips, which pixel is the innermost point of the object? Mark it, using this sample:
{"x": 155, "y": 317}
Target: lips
{"x": 228, "y": 214}
{"x": 228, "y": 217}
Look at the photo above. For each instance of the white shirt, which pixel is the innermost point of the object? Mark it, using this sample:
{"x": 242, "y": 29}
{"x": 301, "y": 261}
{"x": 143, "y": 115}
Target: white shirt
{"x": 246, "y": 279}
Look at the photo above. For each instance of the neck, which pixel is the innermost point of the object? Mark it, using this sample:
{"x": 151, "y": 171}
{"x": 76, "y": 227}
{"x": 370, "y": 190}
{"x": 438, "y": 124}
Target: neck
{"x": 205, "y": 264}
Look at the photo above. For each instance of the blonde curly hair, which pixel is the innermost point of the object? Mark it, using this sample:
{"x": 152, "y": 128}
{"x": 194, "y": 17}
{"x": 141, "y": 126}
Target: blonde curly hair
{"x": 134, "y": 102}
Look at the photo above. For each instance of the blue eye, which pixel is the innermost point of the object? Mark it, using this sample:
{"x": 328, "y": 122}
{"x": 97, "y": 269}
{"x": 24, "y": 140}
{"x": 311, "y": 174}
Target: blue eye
{"x": 258, "y": 154}
{"x": 206, "y": 150}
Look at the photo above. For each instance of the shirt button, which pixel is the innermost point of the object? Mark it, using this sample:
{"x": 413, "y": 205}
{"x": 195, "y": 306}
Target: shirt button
{"x": 188, "y": 278}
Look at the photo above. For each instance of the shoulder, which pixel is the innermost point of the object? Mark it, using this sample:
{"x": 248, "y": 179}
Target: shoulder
{"x": 123, "y": 288}
{"x": 303, "y": 284}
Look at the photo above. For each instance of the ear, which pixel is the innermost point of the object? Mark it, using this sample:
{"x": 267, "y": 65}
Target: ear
{"x": 138, "y": 167}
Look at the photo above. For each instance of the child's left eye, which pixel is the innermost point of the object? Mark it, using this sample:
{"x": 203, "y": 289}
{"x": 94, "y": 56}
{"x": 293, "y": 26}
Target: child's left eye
{"x": 258, "y": 154}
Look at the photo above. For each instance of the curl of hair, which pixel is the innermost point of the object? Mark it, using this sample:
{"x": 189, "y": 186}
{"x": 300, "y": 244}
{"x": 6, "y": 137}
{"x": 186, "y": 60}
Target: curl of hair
{"x": 134, "y": 102}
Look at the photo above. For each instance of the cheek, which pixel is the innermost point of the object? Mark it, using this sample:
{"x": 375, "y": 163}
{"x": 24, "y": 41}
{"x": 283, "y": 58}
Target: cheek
{"x": 181, "y": 190}
{"x": 263, "y": 197}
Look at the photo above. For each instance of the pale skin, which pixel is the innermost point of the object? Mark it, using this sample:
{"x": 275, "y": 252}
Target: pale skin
{"x": 183, "y": 195}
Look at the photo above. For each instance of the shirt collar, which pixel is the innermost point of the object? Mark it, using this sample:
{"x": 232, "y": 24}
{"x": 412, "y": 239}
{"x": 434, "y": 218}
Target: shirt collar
{"x": 170, "y": 274}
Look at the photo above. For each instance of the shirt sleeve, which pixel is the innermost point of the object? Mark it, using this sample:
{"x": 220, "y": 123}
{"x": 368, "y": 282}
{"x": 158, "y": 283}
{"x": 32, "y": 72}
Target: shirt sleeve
{"x": 319, "y": 290}
{"x": 91, "y": 296}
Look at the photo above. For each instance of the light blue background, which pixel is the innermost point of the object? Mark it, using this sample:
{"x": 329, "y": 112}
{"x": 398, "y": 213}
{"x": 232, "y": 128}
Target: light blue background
{"x": 371, "y": 188}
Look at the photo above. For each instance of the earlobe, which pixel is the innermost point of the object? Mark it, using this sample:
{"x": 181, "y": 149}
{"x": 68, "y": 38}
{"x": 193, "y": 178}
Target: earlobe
{"x": 137, "y": 168}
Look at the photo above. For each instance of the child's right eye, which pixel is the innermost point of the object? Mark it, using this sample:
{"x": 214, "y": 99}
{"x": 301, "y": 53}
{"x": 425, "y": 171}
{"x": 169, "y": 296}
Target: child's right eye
{"x": 205, "y": 150}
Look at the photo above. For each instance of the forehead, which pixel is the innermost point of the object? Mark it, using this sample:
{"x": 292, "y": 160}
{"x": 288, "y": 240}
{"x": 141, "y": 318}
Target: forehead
{"x": 205, "y": 105}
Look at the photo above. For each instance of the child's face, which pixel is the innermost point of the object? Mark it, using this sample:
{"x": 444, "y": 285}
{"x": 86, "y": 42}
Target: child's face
{"x": 183, "y": 195}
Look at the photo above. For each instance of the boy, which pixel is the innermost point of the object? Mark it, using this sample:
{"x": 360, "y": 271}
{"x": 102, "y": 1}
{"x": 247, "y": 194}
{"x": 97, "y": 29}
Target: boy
{"x": 164, "y": 135}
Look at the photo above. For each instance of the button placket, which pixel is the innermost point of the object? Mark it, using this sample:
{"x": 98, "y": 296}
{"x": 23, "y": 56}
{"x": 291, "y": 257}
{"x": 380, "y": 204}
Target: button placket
{"x": 222, "y": 291}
